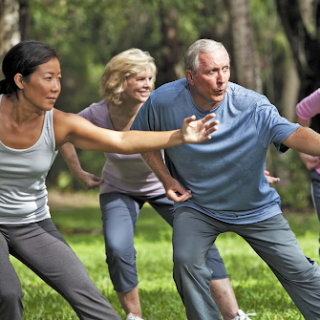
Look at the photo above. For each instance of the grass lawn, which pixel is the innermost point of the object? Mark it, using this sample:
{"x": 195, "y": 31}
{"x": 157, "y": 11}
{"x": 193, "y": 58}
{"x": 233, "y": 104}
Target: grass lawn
{"x": 256, "y": 288}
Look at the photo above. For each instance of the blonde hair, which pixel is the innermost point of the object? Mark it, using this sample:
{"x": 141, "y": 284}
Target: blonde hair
{"x": 191, "y": 58}
{"x": 113, "y": 82}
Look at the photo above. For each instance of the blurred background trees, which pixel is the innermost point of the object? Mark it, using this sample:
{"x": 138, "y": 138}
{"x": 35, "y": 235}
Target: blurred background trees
{"x": 274, "y": 48}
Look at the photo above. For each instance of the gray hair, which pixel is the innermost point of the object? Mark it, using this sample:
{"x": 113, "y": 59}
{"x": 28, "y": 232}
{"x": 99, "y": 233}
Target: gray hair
{"x": 191, "y": 60}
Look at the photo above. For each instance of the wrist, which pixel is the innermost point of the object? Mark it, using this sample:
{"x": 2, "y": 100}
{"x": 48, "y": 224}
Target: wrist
{"x": 180, "y": 138}
{"x": 77, "y": 173}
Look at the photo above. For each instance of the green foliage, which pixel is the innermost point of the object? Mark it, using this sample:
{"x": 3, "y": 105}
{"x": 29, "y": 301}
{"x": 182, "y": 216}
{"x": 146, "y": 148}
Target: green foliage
{"x": 255, "y": 286}
{"x": 88, "y": 33}
{"x": 294, "y": 186}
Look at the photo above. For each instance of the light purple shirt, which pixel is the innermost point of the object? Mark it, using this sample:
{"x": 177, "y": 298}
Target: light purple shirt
{"x": 122, "y": 173}
{"x": 309, "y": 107}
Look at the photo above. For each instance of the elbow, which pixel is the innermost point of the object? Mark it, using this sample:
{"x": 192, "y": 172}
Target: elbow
{"x": 124, "y": 148}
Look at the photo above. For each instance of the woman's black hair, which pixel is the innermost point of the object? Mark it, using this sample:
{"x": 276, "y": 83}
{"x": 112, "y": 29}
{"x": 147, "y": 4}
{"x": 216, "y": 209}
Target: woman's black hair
{"x": 23, "y": 58}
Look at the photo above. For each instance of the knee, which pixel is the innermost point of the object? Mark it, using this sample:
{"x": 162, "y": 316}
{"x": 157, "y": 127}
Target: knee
{"x": 118, "y": 253}
{"x": 10, "y": 296}
{"x": 183, "y": 260}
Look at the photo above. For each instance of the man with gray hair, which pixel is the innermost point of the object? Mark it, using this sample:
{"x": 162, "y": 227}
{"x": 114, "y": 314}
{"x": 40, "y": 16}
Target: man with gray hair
{"x": 220, "y": 186}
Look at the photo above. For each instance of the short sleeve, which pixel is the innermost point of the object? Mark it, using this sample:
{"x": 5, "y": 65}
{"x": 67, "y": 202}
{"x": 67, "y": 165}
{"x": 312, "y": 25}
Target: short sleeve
{"x": 271, "y": 127}
{"x": 309, "y": 106}
{"x": 146, "y": 119}
{"x": 86, "y": 113}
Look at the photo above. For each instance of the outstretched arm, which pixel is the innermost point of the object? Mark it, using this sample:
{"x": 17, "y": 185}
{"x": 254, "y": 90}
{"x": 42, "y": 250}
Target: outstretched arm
{"x": 304, "y": 140}
{"x": 173, "y": 188}
{"x": 88, "y": 180}
{"x": 84, "y": 135}
{"x": 310, "y": 162}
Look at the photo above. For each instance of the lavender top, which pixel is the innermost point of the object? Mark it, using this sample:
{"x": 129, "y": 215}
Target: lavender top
{"x": 309, "y": 107}
{"x": 122, "y": 173}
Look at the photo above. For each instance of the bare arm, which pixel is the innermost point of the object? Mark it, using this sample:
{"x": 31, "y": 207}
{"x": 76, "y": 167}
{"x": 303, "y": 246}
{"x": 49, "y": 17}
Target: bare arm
{"x": 173, "y": 188}
{"x": 310, "y": 162}
{"x": 304, "y": 140}
{"x": 88, "y": 180}
{"x": 84, "y": 135}
{"x": 303, "y": 122}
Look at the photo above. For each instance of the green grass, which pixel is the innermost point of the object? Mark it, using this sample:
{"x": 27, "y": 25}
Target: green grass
{"x": 255, "y": 286}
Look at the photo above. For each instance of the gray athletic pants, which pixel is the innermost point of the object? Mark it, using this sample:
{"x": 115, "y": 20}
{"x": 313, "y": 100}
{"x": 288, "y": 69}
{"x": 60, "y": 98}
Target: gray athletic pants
{"x": 272, "y": 239}
{"x": 315, "y": 188}
{"x": 119, "y": 215}
{"x": 41, "y": 248}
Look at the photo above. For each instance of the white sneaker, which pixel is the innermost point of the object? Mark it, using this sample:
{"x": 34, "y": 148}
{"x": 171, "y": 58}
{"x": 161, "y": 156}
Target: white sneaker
{"x": 242, "y": 316}
{"x": 130, "y": 316}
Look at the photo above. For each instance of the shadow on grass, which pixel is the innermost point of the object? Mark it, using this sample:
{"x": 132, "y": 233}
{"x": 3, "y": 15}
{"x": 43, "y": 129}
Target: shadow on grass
{"x": 87, "y": 221}
{"x": 264, "y": 298}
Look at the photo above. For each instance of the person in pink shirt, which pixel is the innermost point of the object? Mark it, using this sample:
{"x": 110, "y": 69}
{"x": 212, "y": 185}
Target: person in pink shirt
{"x": 305, "y": 110}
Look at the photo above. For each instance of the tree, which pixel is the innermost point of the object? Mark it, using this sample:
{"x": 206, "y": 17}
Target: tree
{"x": 9, "y": 26}
{"x": 170, "y": 44}
{"x": 302, "y": 29}
{"x": 246, "y": 60}
{"x": 304, "y": 39}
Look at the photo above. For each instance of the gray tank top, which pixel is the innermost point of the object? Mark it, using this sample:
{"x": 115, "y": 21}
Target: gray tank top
{"x": 23, "y": 172}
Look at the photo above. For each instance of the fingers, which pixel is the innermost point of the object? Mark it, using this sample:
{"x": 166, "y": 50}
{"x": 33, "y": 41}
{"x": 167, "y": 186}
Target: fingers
{"x": 177, "y": 196}
{"x": 269, "y": 178}
{"x": 208, "y": 117}
{"x": 211, "y": 130}
{"x": 211, "y": 126}
{"x": 93, "y": 182}
{"x": 189, "y": 119}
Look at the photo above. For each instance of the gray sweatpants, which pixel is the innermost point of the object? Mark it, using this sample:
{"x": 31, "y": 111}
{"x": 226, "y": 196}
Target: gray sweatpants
{"x": 272, "y": 239}
{"x": 315, "y": 188}
{"x": 119, "y": 215}
{"x": 41, "y": 248}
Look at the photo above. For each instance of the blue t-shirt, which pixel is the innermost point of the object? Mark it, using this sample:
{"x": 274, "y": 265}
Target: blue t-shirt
{"x": 225, "y": 174}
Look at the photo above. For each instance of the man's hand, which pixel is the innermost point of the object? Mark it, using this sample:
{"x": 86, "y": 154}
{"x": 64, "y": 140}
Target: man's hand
{"x": 198, "y": 131}
{"x": 175, "y": 192}
{"x": 311, "y": 162}
{"x": 89, "y": 180}
{"x": 270, "y": 179}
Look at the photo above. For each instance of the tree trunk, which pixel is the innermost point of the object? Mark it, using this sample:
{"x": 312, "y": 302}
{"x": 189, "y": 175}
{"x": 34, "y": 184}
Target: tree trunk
{"x": 9, "y": 26}
{"x": 290, "y": 92}
{"x": 305, "y": 44}
{"x": 246, "y": 57}
{"x": 24, "y": 19}
{"x": 170, "y": 68}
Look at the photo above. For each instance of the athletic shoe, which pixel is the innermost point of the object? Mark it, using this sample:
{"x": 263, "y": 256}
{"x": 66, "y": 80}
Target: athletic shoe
{"x": 130, "y": 316}
{"x": 242, "y": 316}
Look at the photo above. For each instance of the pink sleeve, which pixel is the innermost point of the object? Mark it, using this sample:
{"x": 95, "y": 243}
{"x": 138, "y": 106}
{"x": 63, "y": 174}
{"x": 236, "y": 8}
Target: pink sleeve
{"x": 309, "y": 106}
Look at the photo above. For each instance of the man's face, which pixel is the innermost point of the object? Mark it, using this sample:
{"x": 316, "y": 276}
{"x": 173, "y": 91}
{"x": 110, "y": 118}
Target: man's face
{"x": 208, "y": 86}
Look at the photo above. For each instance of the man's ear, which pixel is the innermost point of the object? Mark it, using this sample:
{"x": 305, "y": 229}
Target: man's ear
{"x": 189, "y": 76}
{"x": 18, "y": 79}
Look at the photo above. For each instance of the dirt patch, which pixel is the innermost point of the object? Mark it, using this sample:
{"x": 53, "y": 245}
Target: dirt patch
{"x": 70, "y": 200}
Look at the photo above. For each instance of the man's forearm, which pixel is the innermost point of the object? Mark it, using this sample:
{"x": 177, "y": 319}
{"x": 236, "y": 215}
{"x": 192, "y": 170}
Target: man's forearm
{"x": 154, "y": 160}
{"x": 304, "y": 140}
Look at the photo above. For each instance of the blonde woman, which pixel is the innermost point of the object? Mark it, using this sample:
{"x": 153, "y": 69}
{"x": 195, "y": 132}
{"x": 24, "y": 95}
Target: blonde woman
{"x": 128, "y": 183}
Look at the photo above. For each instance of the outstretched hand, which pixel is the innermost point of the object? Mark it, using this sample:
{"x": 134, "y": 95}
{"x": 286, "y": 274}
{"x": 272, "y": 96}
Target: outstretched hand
{"x": 200, "y": 130}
